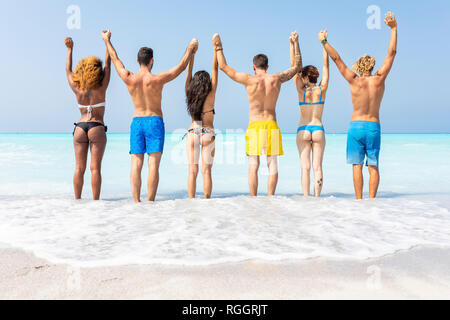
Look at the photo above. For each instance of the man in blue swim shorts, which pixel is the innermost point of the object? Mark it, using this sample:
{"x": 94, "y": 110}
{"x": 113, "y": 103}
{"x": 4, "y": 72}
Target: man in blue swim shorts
{"x": 364, "y": 135}
{"x": 147, "y": 128}
{"x": 147, "y": 135}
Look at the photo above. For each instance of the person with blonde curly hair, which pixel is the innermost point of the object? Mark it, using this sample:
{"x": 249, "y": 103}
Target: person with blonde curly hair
{"x": 367, "y": 89}
{"x": 364, "y": 65}
{"x": 89, "y": 82}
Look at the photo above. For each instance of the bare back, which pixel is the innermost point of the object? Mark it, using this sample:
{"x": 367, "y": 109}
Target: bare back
{"x": 208, "y": 110}
{"x": 262, "y": 88}
{"x": 145, "y": 89}
{"x": 207, "y": 113}
{"x": 263, "y": 91}
{"x": 311, "y": 114}
{"x": 367, "y": 90}
{"x": 89, "y": 98}
{"x": 367, "y": 94}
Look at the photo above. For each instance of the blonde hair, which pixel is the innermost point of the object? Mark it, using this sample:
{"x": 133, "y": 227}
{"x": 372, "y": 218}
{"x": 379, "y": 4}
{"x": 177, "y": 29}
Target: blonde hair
{"x": 88, "y": 74}
{"x": 364, "y": 65}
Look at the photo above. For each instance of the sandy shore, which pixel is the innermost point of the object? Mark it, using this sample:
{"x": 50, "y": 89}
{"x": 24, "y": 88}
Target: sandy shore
{"x": 422, "y": 273}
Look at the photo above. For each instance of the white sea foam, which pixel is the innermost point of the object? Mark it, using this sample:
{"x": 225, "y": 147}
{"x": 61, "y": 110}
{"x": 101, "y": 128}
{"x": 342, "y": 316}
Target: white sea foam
{"x": 199, "y": 232}
{"x": 37, "y": 212}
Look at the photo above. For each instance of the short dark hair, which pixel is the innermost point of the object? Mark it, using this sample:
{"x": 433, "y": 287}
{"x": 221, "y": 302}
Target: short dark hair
{"x": 145, "y": 55}
{"x": 261, "y": 61}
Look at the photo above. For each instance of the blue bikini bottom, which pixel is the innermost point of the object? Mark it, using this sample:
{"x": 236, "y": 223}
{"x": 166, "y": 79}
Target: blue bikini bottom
{"x": 311, "y": 129}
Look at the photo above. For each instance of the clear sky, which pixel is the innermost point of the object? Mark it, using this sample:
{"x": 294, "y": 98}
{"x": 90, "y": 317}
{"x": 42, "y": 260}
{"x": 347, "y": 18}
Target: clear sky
{"x": 35, "y": 96}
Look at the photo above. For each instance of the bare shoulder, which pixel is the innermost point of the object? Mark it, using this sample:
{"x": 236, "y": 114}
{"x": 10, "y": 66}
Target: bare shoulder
{"x": 154, "y": 79}
{"x": 274, "y": 76}
{"x": 274, "y": 79}
{"x": 367, "y": 82}
{"x": 132, "y": 77}
{"x": 377, "y": 80}
{"x": 78, "y": 95}
{"x": 252, "y": 79}
{"x": 358, "y": 82}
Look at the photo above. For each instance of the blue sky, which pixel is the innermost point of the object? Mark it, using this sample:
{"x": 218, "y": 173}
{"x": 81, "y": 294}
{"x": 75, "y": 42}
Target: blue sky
{"x": 35, "y": 96}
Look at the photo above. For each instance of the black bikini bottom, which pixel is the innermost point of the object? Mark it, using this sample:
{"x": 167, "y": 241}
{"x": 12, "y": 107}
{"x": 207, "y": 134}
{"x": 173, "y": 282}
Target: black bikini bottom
{"x": 86, "y": 126}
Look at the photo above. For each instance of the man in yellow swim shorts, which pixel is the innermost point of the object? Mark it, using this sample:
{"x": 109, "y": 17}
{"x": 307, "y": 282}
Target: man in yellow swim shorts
{"x": 263, "y": 135}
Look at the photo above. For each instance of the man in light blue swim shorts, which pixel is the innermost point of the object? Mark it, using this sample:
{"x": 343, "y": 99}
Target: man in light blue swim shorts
{"x": 147, "y": 128}
{"x": 363, "y": 143}
{"x": 364, "y": 134}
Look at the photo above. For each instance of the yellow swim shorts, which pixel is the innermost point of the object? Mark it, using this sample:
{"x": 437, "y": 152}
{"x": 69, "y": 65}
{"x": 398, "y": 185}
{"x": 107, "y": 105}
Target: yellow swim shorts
{"x": 263, "y": 137}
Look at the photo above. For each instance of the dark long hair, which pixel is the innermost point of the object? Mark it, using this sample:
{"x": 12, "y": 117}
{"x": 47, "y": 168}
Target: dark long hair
{"x": 196, "y": 93}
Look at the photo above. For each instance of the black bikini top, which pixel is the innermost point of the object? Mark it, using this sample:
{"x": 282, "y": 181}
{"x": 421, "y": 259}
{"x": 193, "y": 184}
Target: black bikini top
{"x": 213, "y": 111}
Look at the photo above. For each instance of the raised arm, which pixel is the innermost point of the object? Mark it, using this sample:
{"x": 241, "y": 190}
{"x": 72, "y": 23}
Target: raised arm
{"x": 189, "y": 73}
{"x": 181, "y": 66}
{"x": 325, "y": 71}
{"x": 229, "y": 71}
{"x": 69, "y": 44}
{"x": 392, "y": 51}
{"x": 296, "y": 63}
{"x": 120, "y": 68}
{"x": 298, "y": 82}
{"x": 348, "y": 74}
{"x": 215, "y": 72}
{"x": 107, "y": 70}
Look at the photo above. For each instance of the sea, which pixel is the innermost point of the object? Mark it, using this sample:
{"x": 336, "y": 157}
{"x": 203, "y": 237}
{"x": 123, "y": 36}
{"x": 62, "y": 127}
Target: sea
{"x": 39, "y": 214}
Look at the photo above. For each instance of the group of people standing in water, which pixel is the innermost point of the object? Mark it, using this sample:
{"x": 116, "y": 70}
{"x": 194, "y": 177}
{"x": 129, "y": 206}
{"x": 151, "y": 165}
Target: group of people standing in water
{"x": 89, "y": 82}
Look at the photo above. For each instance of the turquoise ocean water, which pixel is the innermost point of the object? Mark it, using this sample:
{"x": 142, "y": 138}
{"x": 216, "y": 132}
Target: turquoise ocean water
{"x": 37, "y": 211}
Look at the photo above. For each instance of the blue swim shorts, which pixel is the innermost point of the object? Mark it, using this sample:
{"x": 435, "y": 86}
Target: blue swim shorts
{"x": 364, "y": 140}
{"x": 147, "y": 135}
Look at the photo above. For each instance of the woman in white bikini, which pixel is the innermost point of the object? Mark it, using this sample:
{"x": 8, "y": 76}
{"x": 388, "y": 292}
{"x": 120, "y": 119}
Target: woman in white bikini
{"x": 89, "y": 82}
{"x": 310, "y": 132}
{"x": 200, "y": 98}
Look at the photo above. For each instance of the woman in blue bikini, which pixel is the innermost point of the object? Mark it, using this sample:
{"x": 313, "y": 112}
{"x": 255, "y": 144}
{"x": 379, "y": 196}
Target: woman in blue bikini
{"x": 311, "y": 133}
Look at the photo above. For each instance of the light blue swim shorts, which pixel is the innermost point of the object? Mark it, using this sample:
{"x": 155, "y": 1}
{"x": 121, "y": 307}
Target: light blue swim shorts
{"x": 364, "y": 140}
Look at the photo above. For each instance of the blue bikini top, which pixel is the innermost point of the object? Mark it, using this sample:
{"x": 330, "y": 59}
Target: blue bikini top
{"x": 311, "y": 103}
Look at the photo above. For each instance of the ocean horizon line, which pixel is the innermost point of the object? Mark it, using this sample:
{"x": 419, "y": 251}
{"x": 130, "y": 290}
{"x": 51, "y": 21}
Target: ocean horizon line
{"x": 225, "y": 133}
